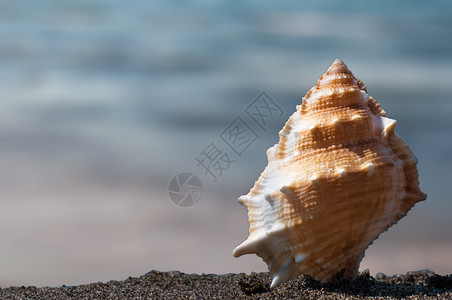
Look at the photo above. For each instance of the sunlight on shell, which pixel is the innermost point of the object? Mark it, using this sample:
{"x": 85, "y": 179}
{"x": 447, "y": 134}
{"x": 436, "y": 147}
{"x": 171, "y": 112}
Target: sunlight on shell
{"x": 337, "y": 179}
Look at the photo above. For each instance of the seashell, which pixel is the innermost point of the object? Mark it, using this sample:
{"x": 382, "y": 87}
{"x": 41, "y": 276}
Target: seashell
{"x": 337, "y": 179}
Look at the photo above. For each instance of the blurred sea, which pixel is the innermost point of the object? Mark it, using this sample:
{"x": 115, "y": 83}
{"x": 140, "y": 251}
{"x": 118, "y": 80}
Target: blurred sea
{"x": 104, "y": 102}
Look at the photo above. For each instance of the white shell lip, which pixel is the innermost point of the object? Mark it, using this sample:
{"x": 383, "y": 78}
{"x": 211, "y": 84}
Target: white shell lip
{"x": 324, "y": 196}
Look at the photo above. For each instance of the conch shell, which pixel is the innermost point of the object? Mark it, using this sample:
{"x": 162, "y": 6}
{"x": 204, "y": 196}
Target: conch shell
{"x": 337, "y": 179}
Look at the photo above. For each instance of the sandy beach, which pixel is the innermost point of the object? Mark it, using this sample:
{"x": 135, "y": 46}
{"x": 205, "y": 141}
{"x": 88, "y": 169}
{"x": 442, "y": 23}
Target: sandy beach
{"x": 423, "y": 284}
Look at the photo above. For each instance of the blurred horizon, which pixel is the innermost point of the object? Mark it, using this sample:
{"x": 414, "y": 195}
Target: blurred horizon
{"x": 104, "y": 102}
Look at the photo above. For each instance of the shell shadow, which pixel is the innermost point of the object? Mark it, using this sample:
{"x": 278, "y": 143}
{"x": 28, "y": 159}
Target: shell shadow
{"x": 418, "y": 283}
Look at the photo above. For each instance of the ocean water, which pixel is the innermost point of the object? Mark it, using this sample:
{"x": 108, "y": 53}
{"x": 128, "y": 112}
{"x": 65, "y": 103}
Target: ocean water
{"x": 104, "y": 102}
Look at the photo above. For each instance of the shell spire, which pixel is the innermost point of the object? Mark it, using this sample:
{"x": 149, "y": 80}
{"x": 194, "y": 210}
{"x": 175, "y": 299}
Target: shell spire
{"x": 337, "y": 179}
{"x": 338, "y": 66}
{"x": 339, "y": 73}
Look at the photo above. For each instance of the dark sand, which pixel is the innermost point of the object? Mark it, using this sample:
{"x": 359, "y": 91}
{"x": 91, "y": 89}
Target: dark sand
{"x": 172, "y": 285}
